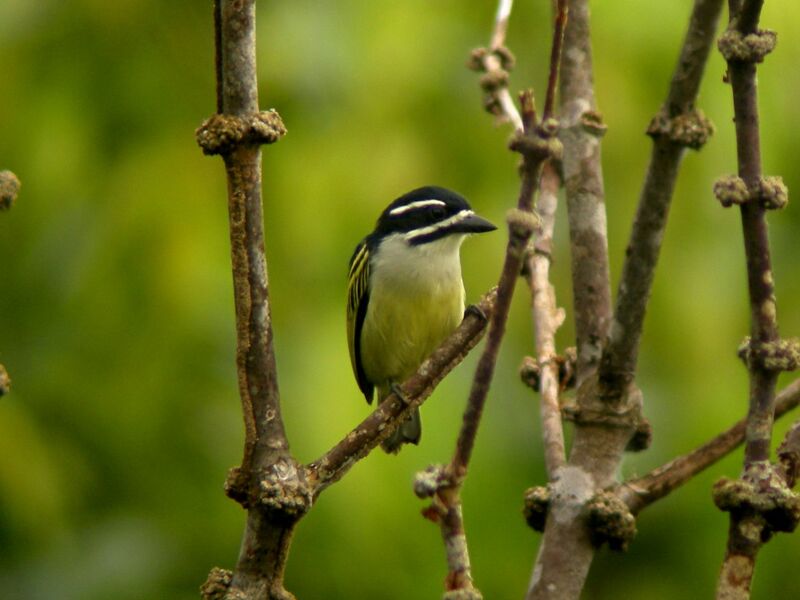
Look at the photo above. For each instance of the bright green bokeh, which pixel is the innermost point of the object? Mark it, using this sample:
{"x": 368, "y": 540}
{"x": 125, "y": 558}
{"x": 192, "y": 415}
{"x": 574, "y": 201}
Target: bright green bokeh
{"x": 116, "y": 317}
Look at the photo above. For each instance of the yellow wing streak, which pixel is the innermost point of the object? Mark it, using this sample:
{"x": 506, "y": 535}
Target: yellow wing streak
{"x": 357, "y": 282}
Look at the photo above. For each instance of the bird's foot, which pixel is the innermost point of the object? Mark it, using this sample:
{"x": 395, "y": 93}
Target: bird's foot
{"x": 474, "y": 309}
{"x": 397, "y": 390}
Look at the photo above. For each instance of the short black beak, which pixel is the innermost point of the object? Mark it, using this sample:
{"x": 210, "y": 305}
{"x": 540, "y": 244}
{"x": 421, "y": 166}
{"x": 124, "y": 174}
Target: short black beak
{"x": 473, "y": 224}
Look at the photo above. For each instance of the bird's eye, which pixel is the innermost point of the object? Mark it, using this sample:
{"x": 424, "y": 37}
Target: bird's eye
{"x": 438, "y": 212}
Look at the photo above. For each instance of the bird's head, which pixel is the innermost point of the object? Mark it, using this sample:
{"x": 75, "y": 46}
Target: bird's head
{"x": 428, "y": 214}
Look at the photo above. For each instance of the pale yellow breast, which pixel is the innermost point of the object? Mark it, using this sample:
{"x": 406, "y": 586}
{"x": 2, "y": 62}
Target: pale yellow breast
{"x": 414, "y": 305}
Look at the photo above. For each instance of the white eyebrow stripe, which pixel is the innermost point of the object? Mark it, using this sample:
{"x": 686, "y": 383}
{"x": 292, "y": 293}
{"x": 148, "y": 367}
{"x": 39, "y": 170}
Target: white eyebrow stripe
{"x": 460, "y": 216}
{"x": 412, "y": 205}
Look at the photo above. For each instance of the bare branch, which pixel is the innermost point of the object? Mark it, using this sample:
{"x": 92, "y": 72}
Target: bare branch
{"x": 547, "y": 318}
{"x": 501, "y": 24}
{"x": 496, "y": 62}
{"x": 555, "y": 57}
{"x": 268, "y": 482}
{"x": 581, "y": 129}
{"x": 392, "y": 411}
{"x": 643, "y": 491}
{"x": 606, "y": 417}
{"x": 677, "y": 126}
{"x": 761, "y": 493}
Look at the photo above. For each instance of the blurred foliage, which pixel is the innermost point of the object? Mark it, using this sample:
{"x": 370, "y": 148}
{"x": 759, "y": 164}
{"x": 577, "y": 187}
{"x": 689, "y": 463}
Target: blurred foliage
{"x": 116, "y": 317}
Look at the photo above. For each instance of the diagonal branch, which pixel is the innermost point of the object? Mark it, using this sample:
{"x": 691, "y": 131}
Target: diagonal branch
{"x": 677, "y": 126}
{"x": 536, "y": 142}
{"x": 330, "y": 467}
{"x": 643, "y": 491}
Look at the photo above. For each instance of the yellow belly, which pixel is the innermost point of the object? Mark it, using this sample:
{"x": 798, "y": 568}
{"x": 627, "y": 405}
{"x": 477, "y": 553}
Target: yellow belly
{"x": 404, "y": 324}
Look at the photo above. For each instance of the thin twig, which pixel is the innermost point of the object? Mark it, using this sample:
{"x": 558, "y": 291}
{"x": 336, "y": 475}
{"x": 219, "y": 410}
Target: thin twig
{"x": 547, "y": 318}
{"x": 501, "y": 24}
{"x": 493, "y": 66}
{"x": 677, "y": 126}
{"x": 560, "y": 26}
{"x": 643, "y": 491}
{"x": 536, "y": 143}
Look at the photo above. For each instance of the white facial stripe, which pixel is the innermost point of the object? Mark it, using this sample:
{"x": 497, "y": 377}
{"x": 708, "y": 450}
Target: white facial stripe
{"x": 456, "y": 218}
{"x": 412, "y": 205}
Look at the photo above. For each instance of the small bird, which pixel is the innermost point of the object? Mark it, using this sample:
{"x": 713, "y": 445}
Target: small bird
{"x": 405, "y": 294}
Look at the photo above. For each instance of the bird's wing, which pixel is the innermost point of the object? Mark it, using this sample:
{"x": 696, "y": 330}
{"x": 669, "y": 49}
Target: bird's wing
{"x": 357, "y": 301}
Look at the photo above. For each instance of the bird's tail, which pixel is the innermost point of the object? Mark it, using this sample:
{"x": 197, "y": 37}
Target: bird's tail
{"x": 409, "y": 432}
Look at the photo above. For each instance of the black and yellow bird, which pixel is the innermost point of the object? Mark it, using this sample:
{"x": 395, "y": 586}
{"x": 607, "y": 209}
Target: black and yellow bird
{"x": 405, "y": 294}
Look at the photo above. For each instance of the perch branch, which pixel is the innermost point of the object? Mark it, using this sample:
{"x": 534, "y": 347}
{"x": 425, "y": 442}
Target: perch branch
{"x": 392, "y": 411}
{"x": 677, "y": 126}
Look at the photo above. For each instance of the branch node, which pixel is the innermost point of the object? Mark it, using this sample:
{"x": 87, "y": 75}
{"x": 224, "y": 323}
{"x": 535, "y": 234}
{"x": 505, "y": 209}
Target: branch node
{"x": 536, "y": 505}
{"x": 9, "y": 188}
{"x": 539, "y": 144}
{"x": 522, "y": 223}
{"x": 478, "y": 56}
{"x": 776, "y": 503}
{"x": 778, "y": 355}
{"x": 221, "y": 134}
{"x": 530, "y": 370}
{"x": 642, "y": 437}
{"x": 789, "y": 455}
{"x": 592, "y": 123}
{"x": 217, "y": 584}
{"x": 610, "y": 521}
{"x": 770, "y": 192}
{"x": 236, "y": 486}
{"x": 730, "y": 190}
{"x": 691, "y": 129}
{"x": 282, "y": 492}
{"x": 494, "y": 80}
{"x": 597, "y": 407}
{"x": 428, "y": 482}
{"x": 753, "y": 47}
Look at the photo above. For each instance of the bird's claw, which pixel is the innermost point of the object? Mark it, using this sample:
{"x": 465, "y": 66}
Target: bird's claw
{"x": 474, "y": 309}
{"x": 397, "y": 391}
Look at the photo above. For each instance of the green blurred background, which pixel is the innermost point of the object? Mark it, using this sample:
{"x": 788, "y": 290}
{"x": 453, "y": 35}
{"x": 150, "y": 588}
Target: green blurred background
{"x": 116, "y": 315}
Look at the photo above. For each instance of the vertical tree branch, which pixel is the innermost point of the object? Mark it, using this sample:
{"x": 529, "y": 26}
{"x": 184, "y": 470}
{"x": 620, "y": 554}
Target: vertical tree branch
{"x": 268, "y": 483}
{"x": 677, "y": 126}
{"x": 605, "y": 417}
{"x": 581, "y": 128}
{"x": 762, "y": 490}
{"x": 547, "y": 318}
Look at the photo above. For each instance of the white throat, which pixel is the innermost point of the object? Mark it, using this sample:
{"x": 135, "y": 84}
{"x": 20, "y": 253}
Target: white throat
{"x": 431, "y": 265}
